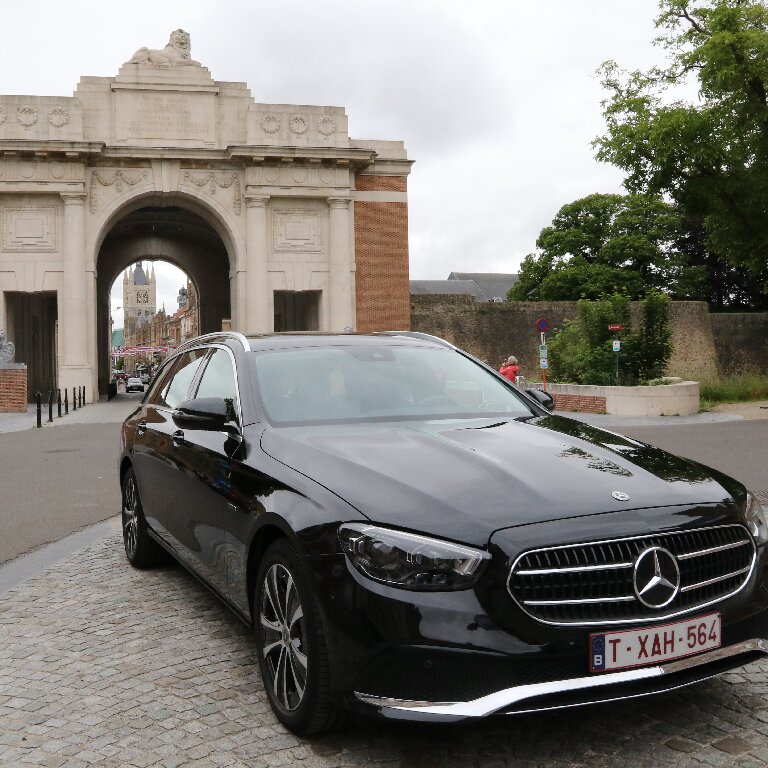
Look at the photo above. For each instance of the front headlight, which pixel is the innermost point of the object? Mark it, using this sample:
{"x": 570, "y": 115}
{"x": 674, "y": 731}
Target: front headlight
{"x": 410, "y": 561}
{"x": 754, "y": 516}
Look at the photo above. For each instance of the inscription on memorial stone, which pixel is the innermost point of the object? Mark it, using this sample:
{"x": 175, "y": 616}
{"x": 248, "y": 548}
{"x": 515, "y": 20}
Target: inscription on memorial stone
{"x": 173, "y": 115}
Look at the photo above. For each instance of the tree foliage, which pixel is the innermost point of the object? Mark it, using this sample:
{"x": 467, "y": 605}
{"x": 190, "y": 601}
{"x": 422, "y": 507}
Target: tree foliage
{"x": 709, "y": 155}
{"x": 602, "y": 245}
{"x": 582, "y": 351}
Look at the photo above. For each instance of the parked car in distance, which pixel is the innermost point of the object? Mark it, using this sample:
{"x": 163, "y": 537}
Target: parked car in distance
{"x": 134, "y": 384}
{"x": 412, "y": 536}
{"x": 144, "y": 378}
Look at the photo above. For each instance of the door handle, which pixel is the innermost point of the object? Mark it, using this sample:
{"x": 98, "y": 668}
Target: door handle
{"x": 141, "y": 427}
{"x": 178, "y": 437}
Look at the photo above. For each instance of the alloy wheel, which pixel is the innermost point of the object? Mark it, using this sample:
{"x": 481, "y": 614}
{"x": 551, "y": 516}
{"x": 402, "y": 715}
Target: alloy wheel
{"x": 130, "y": 517}
{"x": 283, "y": 637}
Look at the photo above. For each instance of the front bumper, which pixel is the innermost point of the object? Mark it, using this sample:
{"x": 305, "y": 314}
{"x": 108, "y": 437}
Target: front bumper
{"x": 577, "y": 691}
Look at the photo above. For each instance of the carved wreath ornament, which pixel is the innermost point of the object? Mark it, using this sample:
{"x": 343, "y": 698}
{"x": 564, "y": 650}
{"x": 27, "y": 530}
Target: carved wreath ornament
{"x": 26, "y": 116}
{"x": 298, "y": 124}
{"x": 270, "y": 124}
{"x": 58, "y": 117}
{"x": 212, "y": 182}
{"x": 326, "y": 125}
{"x": 118, "y": 178}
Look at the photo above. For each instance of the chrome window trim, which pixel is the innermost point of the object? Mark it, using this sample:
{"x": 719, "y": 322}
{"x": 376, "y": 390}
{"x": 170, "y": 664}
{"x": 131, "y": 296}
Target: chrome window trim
{"x": 637, "y": 620}
{"x": 493, "y": 702}
{"x": 213, "y": 337}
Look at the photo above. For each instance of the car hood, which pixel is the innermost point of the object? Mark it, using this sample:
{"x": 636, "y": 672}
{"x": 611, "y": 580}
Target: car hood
{"x": 463, "y": 479}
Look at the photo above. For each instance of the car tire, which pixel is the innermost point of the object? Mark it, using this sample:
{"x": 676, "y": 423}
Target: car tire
{"x": 290, "y": 644}
{"x": 140, "y": 549}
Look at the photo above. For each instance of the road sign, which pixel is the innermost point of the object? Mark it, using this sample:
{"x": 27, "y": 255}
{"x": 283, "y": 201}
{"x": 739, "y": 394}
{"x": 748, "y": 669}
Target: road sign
{"x": 542, "y": 325}
{"x": 615, "y": 327}
{"x": 542, "y": 351}
{"x": 543, "y": 363}
{"x": 617, "y": 346}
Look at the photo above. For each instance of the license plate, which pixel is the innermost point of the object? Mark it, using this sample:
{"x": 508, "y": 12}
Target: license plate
{"x": 651, "y": 645}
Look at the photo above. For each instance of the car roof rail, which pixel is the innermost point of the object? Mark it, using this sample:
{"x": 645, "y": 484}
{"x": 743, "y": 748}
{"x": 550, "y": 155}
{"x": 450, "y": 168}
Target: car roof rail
{"x": 217, "y": 336}
{"x": 420, "y": 335}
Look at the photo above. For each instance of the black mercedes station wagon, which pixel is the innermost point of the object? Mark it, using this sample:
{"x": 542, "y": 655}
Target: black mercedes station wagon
{"x": 412, "y": 536}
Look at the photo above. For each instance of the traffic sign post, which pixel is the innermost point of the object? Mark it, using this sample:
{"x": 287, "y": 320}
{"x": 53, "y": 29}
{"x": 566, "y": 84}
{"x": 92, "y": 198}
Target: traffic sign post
{"x": 542, "y": 326}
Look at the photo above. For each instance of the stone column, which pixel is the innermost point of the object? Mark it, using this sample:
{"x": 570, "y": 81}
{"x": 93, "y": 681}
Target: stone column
{"x": 258, "y": 302}
{"x": 341, "y": 315}
{"x": 73, "y": 304}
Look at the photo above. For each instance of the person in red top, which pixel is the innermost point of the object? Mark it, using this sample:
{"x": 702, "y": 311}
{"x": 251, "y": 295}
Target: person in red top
{"x": 509, "y": 369}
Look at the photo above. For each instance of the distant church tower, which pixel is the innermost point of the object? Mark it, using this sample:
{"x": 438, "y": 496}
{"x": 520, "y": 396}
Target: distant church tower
{"x": 139, "y": 299}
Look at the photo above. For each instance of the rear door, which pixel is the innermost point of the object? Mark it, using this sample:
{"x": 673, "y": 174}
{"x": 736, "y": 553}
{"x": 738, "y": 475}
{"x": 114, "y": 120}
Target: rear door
{"x": 155, "y": 461}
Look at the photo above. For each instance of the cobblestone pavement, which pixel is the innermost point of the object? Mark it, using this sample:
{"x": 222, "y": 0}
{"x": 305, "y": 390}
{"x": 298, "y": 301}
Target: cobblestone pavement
{"x": 102, "y": 665}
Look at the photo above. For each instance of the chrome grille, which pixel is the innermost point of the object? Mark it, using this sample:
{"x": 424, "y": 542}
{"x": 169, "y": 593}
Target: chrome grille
{"x": 593, "y": 582}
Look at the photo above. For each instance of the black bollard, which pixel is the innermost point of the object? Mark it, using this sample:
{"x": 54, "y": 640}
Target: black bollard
{"x": 50, "y": 406}
{"x": 66, "y": 402}
{"x": 74, "y": 399}
{"x": 39, "y": 410}
{"x": 83, "y": 394}
{"x": 58, "y": 403}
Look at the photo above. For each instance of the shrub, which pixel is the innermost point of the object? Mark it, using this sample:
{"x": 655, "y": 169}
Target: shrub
{"x": 582, "y": 351}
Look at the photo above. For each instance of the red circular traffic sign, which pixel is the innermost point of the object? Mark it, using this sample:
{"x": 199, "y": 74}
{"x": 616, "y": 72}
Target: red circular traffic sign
{"x": 542, "y": 325}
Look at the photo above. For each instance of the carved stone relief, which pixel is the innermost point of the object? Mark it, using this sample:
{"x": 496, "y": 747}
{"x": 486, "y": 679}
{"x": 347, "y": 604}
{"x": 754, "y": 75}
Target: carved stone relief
{"x": 3, "y": 115}
{"x": 26, "y": 116}
{"x": 326, "y": 125}
{"x": 118, "y": 178}
{"x": 29, "y": 229}
{"x": 296, "y": 231}
{"x": 270, "y": 124}
{"x": 213, "y": 181}
{"x": 298, "y": 124}
{"x": 58, "y": 117}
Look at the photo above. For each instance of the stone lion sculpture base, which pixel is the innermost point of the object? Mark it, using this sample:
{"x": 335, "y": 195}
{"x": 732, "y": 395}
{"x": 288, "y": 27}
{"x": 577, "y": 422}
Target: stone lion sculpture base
{"x": 177, "y": 52}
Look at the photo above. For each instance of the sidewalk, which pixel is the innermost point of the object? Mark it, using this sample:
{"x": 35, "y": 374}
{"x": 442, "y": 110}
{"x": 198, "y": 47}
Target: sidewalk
{"x": 103, "y": 412}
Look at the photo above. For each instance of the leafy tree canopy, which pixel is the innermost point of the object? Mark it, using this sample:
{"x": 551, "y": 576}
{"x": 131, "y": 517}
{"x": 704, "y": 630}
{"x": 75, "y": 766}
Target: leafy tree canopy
{"x": 709, "y": 155}
{"x": 602, "y": 245}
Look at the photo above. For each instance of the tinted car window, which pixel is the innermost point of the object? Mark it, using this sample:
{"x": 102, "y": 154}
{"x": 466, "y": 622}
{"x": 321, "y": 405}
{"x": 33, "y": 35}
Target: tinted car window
{"x": 376, "y": 382}
{"x": 218, "y": 380}
{"x": 174, "y": 390}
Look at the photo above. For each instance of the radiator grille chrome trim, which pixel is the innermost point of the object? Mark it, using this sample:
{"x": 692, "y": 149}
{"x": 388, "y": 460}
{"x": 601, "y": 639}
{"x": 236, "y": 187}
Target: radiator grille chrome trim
{"x": 556, "y": 564}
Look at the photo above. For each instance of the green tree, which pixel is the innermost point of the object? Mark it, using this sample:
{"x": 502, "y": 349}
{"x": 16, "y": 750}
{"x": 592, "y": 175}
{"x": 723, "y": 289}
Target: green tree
{"x": 710, "y": 155}
{"x": 601, "y": 245}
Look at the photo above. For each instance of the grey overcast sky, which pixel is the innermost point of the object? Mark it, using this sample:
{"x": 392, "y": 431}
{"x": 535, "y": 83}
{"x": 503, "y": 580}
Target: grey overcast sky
{"x": 497, "y": 101}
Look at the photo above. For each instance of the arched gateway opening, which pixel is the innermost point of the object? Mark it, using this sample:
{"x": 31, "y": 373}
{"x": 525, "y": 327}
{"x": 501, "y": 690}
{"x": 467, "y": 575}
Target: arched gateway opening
{"x": 167, "y": 232}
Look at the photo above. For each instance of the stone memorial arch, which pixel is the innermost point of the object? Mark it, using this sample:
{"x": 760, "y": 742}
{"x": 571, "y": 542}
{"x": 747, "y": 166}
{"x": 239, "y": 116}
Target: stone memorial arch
{"x": 281, "y": 219}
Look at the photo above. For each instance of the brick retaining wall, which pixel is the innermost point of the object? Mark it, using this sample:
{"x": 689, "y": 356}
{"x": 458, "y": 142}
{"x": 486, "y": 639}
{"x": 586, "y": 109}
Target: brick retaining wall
{"x": 13, "y": 389}
{"x": 580, "y": 403}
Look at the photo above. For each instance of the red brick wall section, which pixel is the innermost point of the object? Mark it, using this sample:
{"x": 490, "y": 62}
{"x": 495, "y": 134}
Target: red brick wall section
{"x": 13, "y": 390}
{"x": 580, "y": 403}
{"x": 381, "y": 257}
{"x": 381, "y": 183}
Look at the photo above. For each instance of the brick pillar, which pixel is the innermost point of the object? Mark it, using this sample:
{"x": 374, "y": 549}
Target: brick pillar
{"x": 381, "y": 253}
{"x": 13, "y": 388}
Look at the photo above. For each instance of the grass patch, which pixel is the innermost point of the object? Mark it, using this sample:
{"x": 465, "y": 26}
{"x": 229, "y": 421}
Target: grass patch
{"x": 739, "y": 388}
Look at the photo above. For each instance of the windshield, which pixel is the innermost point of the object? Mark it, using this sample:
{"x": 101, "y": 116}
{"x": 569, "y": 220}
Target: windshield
{"x": 363, "y": 383}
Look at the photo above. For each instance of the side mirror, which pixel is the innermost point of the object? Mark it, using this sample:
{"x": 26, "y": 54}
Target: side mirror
{"x": 208, "y": 413}
{"x": 542, "y": 398}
